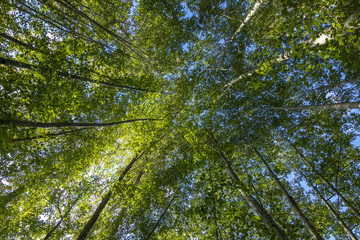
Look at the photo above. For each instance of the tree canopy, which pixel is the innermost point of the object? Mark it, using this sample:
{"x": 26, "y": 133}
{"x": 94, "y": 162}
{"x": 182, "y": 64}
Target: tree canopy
{"x": 179, "y": 119}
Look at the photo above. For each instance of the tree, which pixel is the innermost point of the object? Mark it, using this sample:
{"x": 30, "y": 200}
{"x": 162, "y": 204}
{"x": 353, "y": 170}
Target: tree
{"x": 109, "y": 106}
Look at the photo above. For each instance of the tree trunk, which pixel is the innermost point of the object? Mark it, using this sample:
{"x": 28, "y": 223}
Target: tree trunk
{"x": 217, "y": 229}
{"x": 58, "y": 25}
{"x": 162, "y": 215}
{"x": 11, "y": 196}
{"x": 13, "y": 63}
{"x": 331, "y": 209}
{"x": 60, "y": 221}
{"x": 125, "y": 42}
{"x": 104, "y": 201}
{"x": 334, "y": 106}
{"x": 47, "y": 135}
{"x": 20, "y": 43}
{"x": 247, "y": 19}
{"x": 65, "y": 124}
{"x": 321, "y": 40}
{"x": 348, "y": 204}
{"x": 256, "y": 205}
{"x": 290, "y": 199}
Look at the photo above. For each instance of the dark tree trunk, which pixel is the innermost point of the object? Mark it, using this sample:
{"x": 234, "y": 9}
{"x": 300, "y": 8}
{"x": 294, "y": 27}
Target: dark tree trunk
{"x": 290, "y": 199}
{"x": 65, "y": 124}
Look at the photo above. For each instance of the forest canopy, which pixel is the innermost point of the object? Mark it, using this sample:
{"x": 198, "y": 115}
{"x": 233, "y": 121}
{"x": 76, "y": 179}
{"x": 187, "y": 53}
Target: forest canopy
{"x": 179, "y": 119}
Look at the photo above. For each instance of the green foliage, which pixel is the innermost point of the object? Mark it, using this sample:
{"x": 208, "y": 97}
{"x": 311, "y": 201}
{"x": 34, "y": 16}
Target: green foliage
{"x": 203, "y": 96}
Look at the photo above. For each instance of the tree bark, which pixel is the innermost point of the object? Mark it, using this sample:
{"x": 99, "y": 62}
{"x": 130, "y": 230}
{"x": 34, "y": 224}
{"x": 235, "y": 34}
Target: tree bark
{"x": 125, "y": 42}
{"x": 256, "y": 205}
{"x": 321, "y": 40}
{"x": 348, "y": 204}
{"x": 48, "y": 235}
{"x": 11, "y": 196}
{"x": 83, "y": 234}
{"x": 247, "y": 19}
{"x": 66, "y": 124}
{"x": 334, "y": 106}
{"x": 290, "y": 199}
{"x": 331, "y": 209}
{"x": 13, "y": 63}
{"x": 120, "y": 216}
{"x": 47, "y": 135}
{"x": 217, "y": 228}
{"x": 162, "y": 215}
{"x": 20, "y": 43}
{"x": 58, "y": 25}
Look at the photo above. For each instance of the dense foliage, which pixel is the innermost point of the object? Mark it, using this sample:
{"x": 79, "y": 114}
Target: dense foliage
{"x": 193, "y": 119}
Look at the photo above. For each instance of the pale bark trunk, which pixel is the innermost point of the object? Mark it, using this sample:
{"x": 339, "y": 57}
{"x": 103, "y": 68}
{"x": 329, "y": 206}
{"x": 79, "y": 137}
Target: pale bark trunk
{"x": 334, "y": 106}
{"x": 65, "y": 124}
{"x": 290, "y": 199}
{"x": 83, "y": 234}
{"x": 162, "y": 215}
{"x": 255, "y": 204}
{"x": 331, "y": 209}
{"x": 10, "y": 62}
{"x": 348, "y": 204}
{"x": 247, "y": 19}
{"x": 321, "y": 40}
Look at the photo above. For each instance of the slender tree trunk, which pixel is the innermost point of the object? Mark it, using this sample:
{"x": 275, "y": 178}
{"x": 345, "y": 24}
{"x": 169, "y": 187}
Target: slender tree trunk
{"x": 47, "y": 135}
{"x": 255, "y": 204}
{"x": 120, "y": 216}
{"x": 162, "y": 215}
{"x": 58, "y": 25}
{"x": 247, "y": 19}
{"x": 20, "y": 43}
{"x": 331, "y": 209}
{"x": 11, "y": 196}
{"x": 83, "y": 234}
{"x": 290, "y": 199}
{"x": 48, "y": 235}
{"x": 13, "y": 63}
{"x": 125, "y": 42}
{"x": 348, "y": 204}
{"x": 20, "y": 123}
{"x": 321, "y": 40}
{"x": 334, "y": 106}
{"x": 217, "y": 230}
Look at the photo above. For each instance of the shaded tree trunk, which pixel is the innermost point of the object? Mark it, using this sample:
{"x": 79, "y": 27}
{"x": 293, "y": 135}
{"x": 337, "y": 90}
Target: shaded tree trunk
{"x": 217, "y": 227}
{"x": 255, "y": 204}
{"x": 13, "y": 63}
{"x": 65, "y": 124}
{"x": 319, "y": 41}
{"x": 20, "y": 43}
{"x": 334, "y": 106}
{"x": 47, "y": 135}
{"x": 348, "y": 204}
{"x": 290, "y": 199}
{"x": 331, "y": 209}
{"x": 85, "y": 231}
{"x": 162, "y": 215}
{"x": 124, "y": 41}
{"x": 57, "y": 24}
{"x": 48, "y": 235}
{"x": 120, "y": 216}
